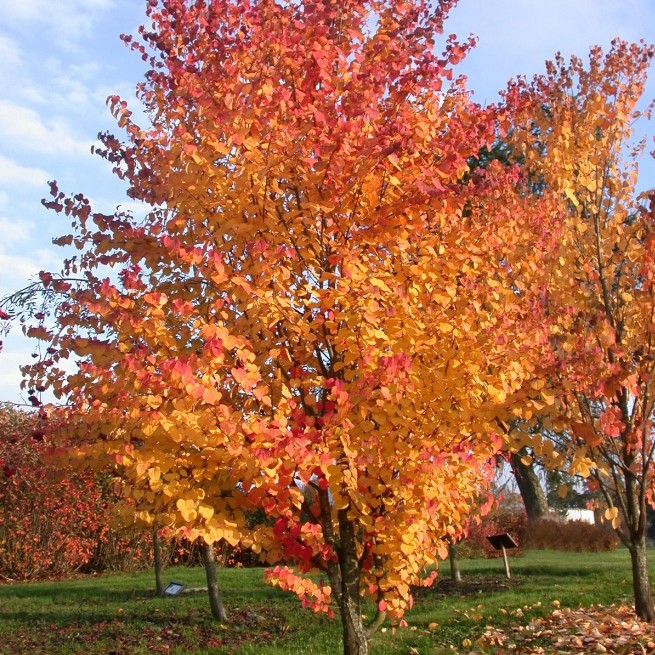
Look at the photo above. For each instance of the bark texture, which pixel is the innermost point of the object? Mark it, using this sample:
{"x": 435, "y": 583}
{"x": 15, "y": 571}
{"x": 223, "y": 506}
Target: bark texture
{"x": 532, "y": 493}
{"x": 644, "y": 607}
{"x": 215, "y": 597}
{"x": 630, "y": 492}
{"x": 159, "y": 573}
{"x": 355, "y": 641}
{"x": 455, "y": 572}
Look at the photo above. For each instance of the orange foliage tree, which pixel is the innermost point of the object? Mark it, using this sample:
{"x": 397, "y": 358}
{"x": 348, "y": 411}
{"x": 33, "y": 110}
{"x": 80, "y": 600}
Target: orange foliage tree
{"x": 574, "y": 129}
{"x": 316, "y": 316}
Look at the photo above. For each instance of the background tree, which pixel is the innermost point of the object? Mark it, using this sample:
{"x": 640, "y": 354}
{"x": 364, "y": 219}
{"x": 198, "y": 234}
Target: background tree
{"x": 574, "y": 127}
{"x": 522, "y": 458}
{"x": 532, "y": 493}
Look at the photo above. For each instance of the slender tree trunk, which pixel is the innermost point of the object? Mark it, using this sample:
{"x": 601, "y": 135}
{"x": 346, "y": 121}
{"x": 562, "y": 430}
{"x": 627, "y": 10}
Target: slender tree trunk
{"x": 532, "y": 493}
{"x": 215, "y": 598}
{"x": 354, "y": 633}
{"x": 156, "y": 549}
{"x": 455, "y": 572}
{"x": 631, "y": 502}
{"x": 644, "y": 607}
{"x": 635, "y": 505}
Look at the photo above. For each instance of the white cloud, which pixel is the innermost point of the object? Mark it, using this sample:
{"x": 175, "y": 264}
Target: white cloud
{"x": 69, "y": 19}
{"x": 108, "y": 205}
{"x": 24, "y": 127}
{"x": 13, "y": 174}
{"x": 11, "y": 58}
{"x": 65, "y": 85}
{"x": 18, "y": 269}
{"x": 10, "y": 375}
{"x": 72, "y": 87}
{"x": 17, "y": 351}
{"x": 13, "y": 231}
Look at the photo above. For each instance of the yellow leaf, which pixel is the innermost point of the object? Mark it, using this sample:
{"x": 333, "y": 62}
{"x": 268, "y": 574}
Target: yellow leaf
{"x": 568, "y": 192}
{"x": 186, "y": 507}
{"x": 548, "y": 397}
{"x": 206, "y": 511}
{"x": 154, "y": 474}
{"x": 380, "y": 284}
{"x": 611, "y": 513}
{"x": 498, "y": 395}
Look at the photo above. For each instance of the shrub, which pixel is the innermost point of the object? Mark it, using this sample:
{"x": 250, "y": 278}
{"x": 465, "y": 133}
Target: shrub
{"x": 48, "y": 526}
{"x": 124, "y": 551}
{"x": 54, "y": 520}
{"x": 547, "y": 534}
{"x": 578, "y": 536}
{"x": 496, "y": 521}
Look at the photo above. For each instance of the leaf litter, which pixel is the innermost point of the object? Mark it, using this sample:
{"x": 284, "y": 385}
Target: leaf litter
{"x": 596, "y": 629}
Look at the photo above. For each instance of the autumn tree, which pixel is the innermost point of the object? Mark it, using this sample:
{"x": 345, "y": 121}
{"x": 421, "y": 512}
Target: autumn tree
{"x": 315, "y": 316}
{"x": 574, "y": 128}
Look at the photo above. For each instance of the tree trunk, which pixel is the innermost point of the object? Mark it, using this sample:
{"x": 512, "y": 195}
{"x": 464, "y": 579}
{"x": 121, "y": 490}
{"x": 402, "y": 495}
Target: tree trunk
{"x": 215, "y": 598}
{"x": 455, "y": 572}
{"x": 532, "y": 493}
{"x": 354, "y": 633}
{"x": 644, "y": 607}
{"x": 156, "y": 548}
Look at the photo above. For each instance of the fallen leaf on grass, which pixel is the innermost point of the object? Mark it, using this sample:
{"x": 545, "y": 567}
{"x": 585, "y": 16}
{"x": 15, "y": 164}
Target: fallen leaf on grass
{"x": 596, "y": 629}
{"x": 127, "y": 634}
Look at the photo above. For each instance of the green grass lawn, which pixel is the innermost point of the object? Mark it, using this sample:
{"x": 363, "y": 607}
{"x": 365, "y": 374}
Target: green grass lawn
{"x": 119, "y": 615}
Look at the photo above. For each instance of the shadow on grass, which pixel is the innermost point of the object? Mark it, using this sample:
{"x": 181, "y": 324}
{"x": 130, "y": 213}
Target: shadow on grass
{"x": 61, "y": 616}
{"x": 65, "y": 594}
{"x": 92, "y": 604}
{"x": 550, "y": 566}
{"x": 470, "y": 585}
{"x": 541, "y": 572}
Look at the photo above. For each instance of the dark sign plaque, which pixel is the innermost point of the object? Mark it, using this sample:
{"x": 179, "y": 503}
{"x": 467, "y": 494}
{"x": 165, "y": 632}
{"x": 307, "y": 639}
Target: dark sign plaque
{"x": 499, "y": 540}
{"x": 502, "y": 542}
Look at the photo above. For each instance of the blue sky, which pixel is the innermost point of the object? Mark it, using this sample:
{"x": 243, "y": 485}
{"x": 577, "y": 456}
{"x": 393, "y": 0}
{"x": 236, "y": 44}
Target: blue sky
{"x": 60, "y": 60}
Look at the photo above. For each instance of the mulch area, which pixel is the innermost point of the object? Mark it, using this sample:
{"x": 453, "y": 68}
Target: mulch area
{"x": 470, "y": 585}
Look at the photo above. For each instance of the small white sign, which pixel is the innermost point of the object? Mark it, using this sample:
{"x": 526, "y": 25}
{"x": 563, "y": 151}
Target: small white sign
{"x": 174, "y": 588}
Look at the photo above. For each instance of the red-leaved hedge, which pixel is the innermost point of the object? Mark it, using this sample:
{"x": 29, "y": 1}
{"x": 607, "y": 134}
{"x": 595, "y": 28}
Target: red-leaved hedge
{"x": 54, "y": 520}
